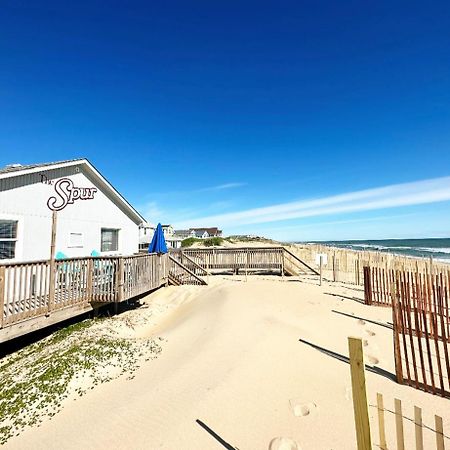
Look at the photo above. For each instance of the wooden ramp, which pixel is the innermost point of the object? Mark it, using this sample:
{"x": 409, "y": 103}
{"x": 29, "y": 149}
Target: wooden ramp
{"x": 202, "y": 261}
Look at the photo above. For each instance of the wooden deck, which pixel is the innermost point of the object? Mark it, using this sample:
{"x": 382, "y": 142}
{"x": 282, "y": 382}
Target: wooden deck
{"x": 34, "y": 295}
{"x": 244, "y": 259}
{"x": 37, "y": 294}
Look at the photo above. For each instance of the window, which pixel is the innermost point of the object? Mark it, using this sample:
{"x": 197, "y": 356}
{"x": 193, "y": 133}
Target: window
{"x": 8, "y": 239}
{"x": 109, "y": 240}
{"x": 76, "y": 240}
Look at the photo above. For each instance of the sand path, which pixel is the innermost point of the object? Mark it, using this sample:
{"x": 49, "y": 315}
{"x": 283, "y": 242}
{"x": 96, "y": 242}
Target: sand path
{"x": 232, "y": 359}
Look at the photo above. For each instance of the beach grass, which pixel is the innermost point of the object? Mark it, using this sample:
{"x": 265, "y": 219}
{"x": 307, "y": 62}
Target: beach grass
{"x": 37, "y": 379}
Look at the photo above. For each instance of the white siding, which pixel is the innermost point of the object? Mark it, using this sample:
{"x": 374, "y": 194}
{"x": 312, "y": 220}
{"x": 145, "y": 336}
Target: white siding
{"x": 24, "y": 198}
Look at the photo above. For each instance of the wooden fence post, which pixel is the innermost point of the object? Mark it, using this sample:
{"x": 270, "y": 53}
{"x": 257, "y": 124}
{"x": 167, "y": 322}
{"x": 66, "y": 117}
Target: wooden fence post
{"x": 320, "y": 269}
{"x": 381, "y": 427}
{"x": 367, "y": 286}
{"x": 399, "y": 425}
{"x": 439, "y": 433}
{"x": 395, "y": 333}
{"x": 360, "y": 406}
{"x": 2, "y": 294}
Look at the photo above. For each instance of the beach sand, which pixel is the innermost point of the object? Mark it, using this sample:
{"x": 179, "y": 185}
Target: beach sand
{"x": 256, "y": 361}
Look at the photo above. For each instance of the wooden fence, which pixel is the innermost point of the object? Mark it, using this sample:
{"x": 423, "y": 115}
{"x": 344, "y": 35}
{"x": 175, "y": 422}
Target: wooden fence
{"x": 421, "y": 331}
{"x": 346, "y": 265}
{"x": 421, "y": 324}
{"x": 31, "y": 290}
{"x": 395, "y": 430}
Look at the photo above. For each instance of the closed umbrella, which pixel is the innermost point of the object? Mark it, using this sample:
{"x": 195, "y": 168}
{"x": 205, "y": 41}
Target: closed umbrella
{"x": 158, "y": 244}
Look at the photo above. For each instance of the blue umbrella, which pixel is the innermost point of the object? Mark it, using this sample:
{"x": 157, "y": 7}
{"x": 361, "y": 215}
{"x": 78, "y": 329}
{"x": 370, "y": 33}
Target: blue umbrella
{"x": 158, "y": 244}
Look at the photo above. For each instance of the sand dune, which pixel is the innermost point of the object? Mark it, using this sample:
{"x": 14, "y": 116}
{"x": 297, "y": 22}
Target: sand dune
{"x": 255, "y": 362}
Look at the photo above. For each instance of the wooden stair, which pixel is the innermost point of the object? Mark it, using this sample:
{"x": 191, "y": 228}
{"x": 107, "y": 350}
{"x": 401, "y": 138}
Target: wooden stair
{"x": 179, "y": 274}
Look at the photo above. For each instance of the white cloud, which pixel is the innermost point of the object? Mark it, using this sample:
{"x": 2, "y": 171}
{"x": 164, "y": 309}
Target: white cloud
{"x": 221, "y": 187}
{"x": 415, "y": 193}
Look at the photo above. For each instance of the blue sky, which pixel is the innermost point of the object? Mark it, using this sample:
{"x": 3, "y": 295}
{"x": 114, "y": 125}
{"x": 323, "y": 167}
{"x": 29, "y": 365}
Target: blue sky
{"x": 237, "y": 113}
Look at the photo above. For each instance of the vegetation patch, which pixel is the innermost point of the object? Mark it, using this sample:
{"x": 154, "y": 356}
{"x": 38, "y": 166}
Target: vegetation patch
{"x": 213, "y": 241}
{"x": 189, "y": 242}
{"x": 37, "y": 379}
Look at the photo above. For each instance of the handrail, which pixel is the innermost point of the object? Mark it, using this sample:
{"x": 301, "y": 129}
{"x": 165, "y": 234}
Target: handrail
{"x": 300, "y": 261}
{"x": 185, "y": 269}
{"x": 75, "y": 258}
{"x": 198, "y": 266}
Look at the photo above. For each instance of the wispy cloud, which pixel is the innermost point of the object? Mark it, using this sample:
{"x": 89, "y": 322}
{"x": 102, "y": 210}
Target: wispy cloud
{"x": 221, "y": 187}
{"x": 396, "y": 195}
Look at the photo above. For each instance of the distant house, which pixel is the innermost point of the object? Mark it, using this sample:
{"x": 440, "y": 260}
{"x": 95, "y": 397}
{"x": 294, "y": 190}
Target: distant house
{"x": 146, "y": 231}
{"x": 167, "y": 230}
{"x": 204, "y": 233}
{"x": 91, "y": 215}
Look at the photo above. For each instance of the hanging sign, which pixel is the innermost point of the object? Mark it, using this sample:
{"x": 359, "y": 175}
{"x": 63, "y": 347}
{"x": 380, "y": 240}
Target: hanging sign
{"x": 67, "y": 193}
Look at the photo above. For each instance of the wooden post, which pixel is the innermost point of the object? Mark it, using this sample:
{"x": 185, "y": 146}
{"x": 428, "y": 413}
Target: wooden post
{"x": 439, "y": 433}
{"x": 282, "y": 265}
{"x": 320, "y": 269}
{"x": 246, "y": 267}
{"x": 399, "y": 425}
{"x": 381, "y": 428}
{"x": 2, "y": 294}
{"x": 360, "y": 406}
{"x": 120, "y": 280}
{"x": 418, "y": 427}
{"x": 334, "y": 266}
{"x": 357, "y": 277}
{"x": 395, "y": 333}
{"x": 52, "y": 265}
{"x": 89, "y": 280}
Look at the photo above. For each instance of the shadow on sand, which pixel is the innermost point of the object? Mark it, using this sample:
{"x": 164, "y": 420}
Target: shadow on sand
{"x": 381, "y": 324}
{"x": 355, "y": 299}
{"x": 216, "y": 436}
{"x": 345, "y": 359}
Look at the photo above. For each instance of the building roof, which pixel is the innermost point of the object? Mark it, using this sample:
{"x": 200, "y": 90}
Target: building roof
{"x": 210, "y": 231}
{"x": 19, "y": 167}
{"x": 15, "y": 170}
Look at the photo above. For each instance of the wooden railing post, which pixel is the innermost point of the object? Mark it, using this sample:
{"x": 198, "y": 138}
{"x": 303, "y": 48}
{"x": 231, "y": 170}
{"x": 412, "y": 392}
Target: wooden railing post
{"x": 120, "y": 280}
{"x": 360, "y": 405}
{"x": 89, "y": 279}
{"x": 2, "y": 294}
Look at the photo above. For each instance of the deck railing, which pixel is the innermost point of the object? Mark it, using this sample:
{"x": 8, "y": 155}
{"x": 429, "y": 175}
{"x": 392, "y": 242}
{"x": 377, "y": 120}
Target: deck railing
{"x": 277, "y": 259}
{"x": 33, "y": 289}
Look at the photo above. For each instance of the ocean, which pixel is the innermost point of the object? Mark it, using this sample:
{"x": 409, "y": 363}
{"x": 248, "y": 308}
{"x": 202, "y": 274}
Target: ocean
{"x": 438, "y": 248}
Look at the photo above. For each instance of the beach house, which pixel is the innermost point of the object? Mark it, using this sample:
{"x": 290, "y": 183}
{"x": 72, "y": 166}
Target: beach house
{"x": 92, "y": 217}
{"x": 204, "y": 233}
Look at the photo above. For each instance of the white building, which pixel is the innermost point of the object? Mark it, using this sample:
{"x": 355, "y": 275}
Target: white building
{"x": 92, "y": 217}
{"x": 146, "y": 232}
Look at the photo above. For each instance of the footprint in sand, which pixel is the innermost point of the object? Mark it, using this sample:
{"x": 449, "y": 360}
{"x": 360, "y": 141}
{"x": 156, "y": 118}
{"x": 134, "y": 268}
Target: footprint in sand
{"x": 361, "y": 322}
{"x": 282, "y": 443}
{"x": 365, "y": 342}
{"x": 370, "y": 333}
{"x": 372, "y": 359}
{"x": 302, "y": 409}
